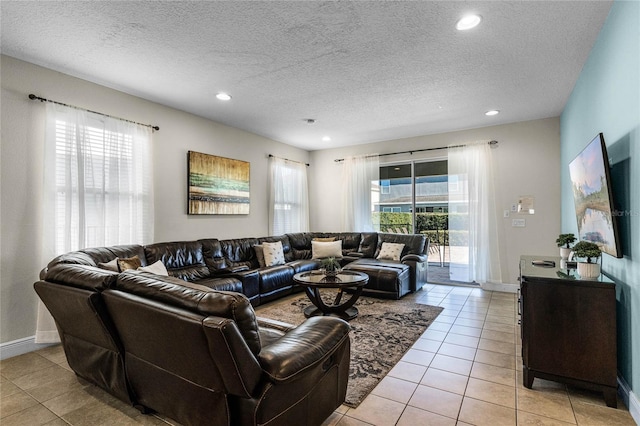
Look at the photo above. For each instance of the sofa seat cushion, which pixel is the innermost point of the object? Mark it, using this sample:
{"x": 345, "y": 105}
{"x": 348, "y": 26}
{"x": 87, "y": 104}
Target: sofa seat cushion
{"x": 386, "y": 277}
{"x": 275, "y": 277}
{"x": 303, "y": 265}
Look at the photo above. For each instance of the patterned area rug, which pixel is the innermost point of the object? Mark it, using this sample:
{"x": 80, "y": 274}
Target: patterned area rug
{"x": 381, "y": 334}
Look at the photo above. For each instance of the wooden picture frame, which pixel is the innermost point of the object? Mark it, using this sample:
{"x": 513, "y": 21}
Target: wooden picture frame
{"x": 217, "y": 185}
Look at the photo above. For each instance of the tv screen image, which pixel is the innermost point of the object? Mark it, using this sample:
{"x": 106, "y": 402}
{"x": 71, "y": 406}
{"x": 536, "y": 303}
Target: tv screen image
{"x": 593, "y": 199}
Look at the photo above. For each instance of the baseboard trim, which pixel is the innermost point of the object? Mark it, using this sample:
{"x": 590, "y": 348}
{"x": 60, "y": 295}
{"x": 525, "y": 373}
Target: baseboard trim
{"x": 20, "y": 346}
{"x": 503, "y": 287}
{"x": 630, "y": 399}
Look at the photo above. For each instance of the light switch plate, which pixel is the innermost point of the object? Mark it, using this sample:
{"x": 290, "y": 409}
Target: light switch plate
{"x": 518, "y": 223}
{"x": 506, "y": 213}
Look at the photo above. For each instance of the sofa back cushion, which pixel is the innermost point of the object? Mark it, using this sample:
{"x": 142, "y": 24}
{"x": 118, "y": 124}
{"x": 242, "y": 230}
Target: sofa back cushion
{"x": 239, "y": 252}
{"x": 368, "y": 244}
{"x": 183, "y": 259}
{"x": 286, "y": 245}
{"x": 413, "y": 243}
{"x": 195, "y": 298}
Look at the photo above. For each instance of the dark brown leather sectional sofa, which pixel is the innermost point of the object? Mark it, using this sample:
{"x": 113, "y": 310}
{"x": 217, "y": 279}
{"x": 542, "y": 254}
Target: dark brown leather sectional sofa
{"x": 189, "y": 345}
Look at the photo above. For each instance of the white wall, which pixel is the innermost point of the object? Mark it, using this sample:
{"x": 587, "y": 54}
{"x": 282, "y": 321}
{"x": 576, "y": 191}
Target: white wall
{"x": 22, "y": 132}
{"x": 526, "y": 161}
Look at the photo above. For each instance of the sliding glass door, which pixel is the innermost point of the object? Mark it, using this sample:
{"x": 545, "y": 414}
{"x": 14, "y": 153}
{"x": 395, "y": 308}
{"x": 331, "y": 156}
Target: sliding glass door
{"x": 415, "y": 198}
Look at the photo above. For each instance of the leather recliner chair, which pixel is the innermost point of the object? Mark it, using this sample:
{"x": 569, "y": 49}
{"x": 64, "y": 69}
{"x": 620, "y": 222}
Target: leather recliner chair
{"x": 198, "y": 356}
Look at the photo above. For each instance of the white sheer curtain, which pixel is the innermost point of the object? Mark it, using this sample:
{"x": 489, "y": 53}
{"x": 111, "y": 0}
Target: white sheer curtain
{"x": 98, "y": 187}
{"x": 360, "y": 177}
{"x": 472, "y": 213}
{"x": 288, "y": 196}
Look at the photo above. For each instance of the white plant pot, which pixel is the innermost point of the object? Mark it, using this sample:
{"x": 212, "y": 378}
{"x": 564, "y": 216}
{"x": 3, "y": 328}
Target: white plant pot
{"x": 565, "y": 252}
{"x": 588, "y": 270}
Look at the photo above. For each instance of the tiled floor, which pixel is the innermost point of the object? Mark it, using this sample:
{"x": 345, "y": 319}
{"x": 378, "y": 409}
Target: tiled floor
{"x": 464, "y": 370}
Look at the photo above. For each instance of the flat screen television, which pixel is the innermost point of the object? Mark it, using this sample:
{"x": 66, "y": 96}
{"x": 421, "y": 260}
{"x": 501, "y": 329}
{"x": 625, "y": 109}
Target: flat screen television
{"x": 591, "y": 183}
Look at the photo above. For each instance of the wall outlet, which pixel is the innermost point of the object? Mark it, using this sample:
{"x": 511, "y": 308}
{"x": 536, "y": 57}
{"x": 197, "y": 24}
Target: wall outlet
{"x": 514, "y": 208}
{"x": 518, "y": 223}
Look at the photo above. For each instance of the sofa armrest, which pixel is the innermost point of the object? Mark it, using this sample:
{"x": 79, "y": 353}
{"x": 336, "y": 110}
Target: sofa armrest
{"x": 355, "y": 254}
{"x": 414, "y": 258}
{"x": 275, "y": 324}
{"x": 303, "y": 348}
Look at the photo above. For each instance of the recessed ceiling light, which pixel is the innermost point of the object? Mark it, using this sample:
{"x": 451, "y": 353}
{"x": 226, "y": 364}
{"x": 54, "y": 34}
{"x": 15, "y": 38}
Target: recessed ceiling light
{"x": 223, "y": 96}
{"x": 326, "y": 138}
{"x": 492, "y": 112}
{"x": 467, "y": 22}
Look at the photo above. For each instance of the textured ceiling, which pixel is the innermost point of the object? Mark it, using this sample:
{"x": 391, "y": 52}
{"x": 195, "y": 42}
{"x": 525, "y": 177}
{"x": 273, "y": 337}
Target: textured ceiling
{"x": 366, "y": 71}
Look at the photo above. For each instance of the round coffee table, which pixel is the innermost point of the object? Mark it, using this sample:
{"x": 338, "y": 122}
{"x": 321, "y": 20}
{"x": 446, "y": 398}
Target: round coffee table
{"x": 314, "y": 281}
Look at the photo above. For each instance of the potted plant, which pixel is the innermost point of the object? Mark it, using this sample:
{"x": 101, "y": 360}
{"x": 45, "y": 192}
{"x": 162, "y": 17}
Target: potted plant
{"x": 564, "y": 241}
{"x": 331, "y": 266}
{"x": 590, "y": 251}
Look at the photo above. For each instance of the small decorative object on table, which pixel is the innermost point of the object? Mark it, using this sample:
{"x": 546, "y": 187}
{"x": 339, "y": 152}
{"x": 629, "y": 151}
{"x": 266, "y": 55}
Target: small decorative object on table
{"x": 588, "y": 250}
{"x": 331, "y": 266}
{"x": 564, "y": 241}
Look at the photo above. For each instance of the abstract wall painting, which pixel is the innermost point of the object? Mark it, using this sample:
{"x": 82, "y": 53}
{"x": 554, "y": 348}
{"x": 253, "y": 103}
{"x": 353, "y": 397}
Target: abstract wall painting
{"x": 217, "y": 185}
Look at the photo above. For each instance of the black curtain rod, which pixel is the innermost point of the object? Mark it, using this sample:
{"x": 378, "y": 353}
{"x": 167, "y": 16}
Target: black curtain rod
{"x": 337, "y": 160}
{"x": 38, "y": 98}
{"x": 293, "y": 161}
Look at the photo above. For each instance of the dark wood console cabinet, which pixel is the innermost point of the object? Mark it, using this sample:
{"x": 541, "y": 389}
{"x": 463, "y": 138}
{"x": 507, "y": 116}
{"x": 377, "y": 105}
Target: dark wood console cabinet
{"x": 568, "y": 328}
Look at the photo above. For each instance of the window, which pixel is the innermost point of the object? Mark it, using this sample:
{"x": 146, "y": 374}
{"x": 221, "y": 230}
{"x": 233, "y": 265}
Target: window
{"x": 288, "y": 199}
{"x": 98, "y": 179}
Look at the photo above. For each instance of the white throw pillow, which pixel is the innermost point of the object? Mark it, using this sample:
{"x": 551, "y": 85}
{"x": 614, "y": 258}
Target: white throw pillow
{"x": 322, "y": 249}
{"x": 259, "y": 254}
{"x": 110, "y": 266}
{"x": 390, "y": 251}
{"x": 273, "y": 254}
{"x": 157, "y": 268}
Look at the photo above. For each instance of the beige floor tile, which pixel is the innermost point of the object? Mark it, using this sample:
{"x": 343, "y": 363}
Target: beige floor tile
{"x": 54, "y": 388}
{"x": 436, "y": 401}
{"x": 451, "y": 364}
{"x": 482, "y": 413}
{"x": 333, "y": 419}
{"x": 408, "y": 371}
{"x": 350, "y": 421}
{"x": 8, "y": 388}
{"x": 42, "y": 377}
{"x": 97, "y": 413}
{"x": 477, "y": 316}
{"x": 496, "y": 359}
{"x": 54, "y": 353}
{"x": 427, "y": 345}
{"x": 552, "y": 403}
{"x": 395, "y": 389}
{"x": 35, "y": 415}
{"x": 445, "y": 319}
{"x": 58, "y": 422}
{"x": 414, "y": 416}
{"x": 465, "y": 331}
{"x": 15, "y": 402}
{"x": 22, "y": 365}
{"x": 577, "y": 395}
{"x": 469, "y": 322}
{"x": 529, "y": 419}
{"x": 415, "y": 356}
{"x": 494, "y": 393}
{"x": 496, "y": 326}
{"x": 458, "y": 339}
{"x": 71, "y": 401}
{"x": 491, "y": 373}
{"x": 497, "y": 346}
{"x": 434, "y": 335}
{"x": 377, "y": 410}
{"x": 440, "y": 326}
{"x": 499, "y": 336}
{"x": 445, "y": 380}
{"x": 594, "y": 415}
{"x": 457, "y": 351}
{"x": 499, "y": 319}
